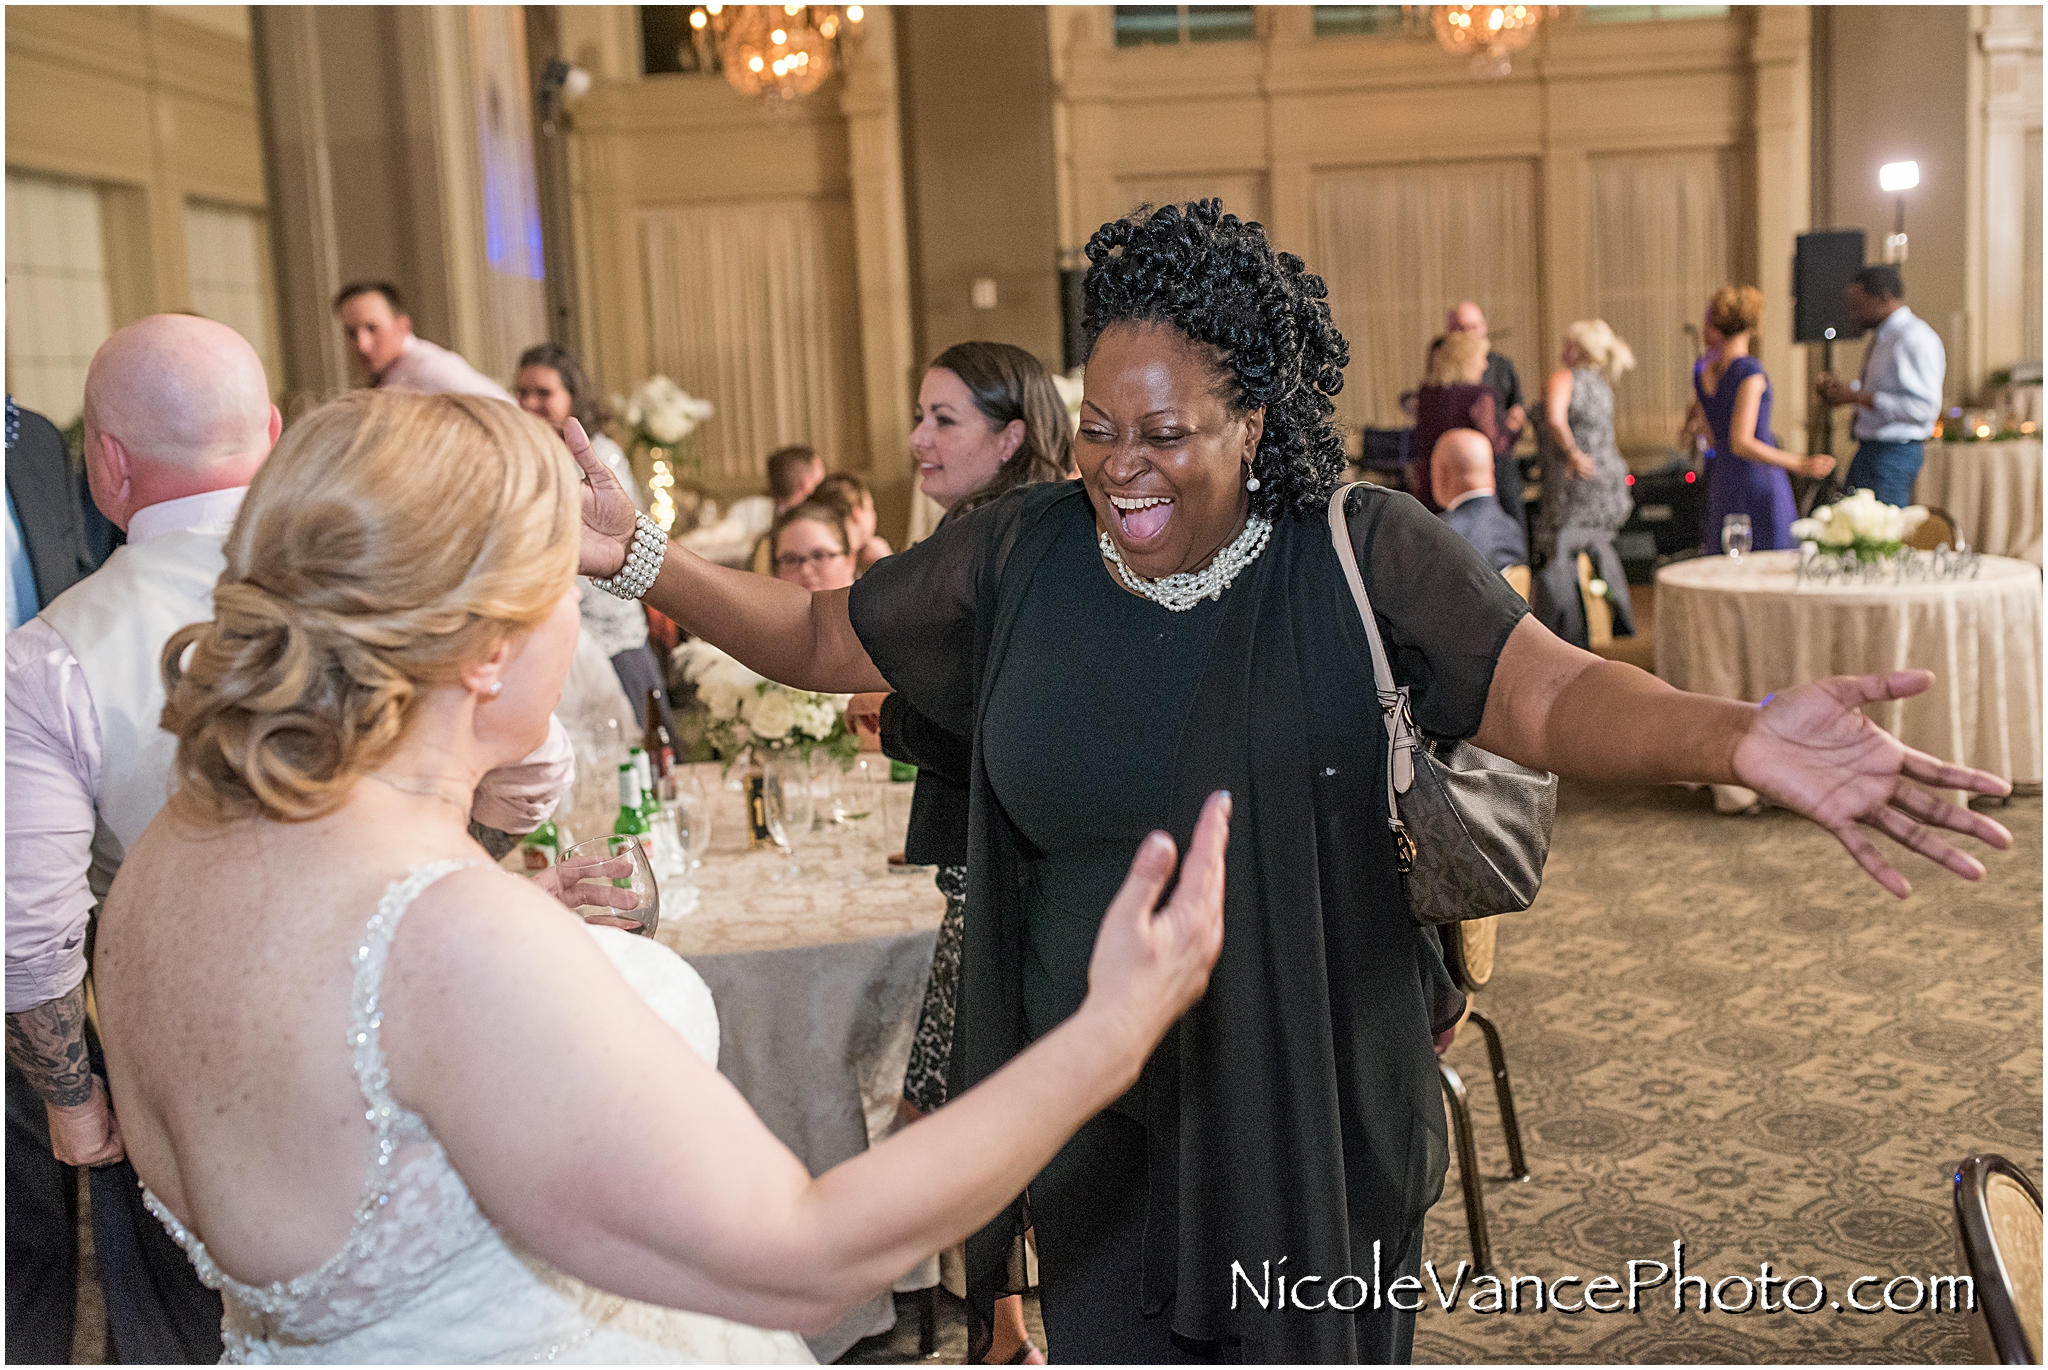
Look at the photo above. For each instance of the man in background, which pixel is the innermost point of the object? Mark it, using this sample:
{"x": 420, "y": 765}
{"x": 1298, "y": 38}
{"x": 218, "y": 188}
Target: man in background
{"x": 48, "y": 546}
{"x": 1898, "y": 395}
{"x": 1500, "y": 378}
{"x": 380, "y": 335}
{"x": 793, "y": 472}
{"x": 178, "y": 420}
{"x": 1461, "y": 478}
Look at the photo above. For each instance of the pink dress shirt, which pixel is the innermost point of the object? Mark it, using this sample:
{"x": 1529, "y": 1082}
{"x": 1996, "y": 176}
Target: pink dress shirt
{"x": 432, "y": 369}
{"x": 53, "y": 776}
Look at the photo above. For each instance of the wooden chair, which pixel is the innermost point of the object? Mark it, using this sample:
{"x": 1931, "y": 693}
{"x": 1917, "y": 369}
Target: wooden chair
{"x": 1599, "y": 613}
{"x": 1469, "y": 956}
{"x": 1998, "y": 1224}
{"x": 1939, "y": 527}
{"x": 1518, "y": 578}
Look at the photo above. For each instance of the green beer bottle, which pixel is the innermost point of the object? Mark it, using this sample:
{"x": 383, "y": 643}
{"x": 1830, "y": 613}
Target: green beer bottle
{"x": 650, "y": 802}
{"x": 631, "y": 821}
{"x": 541, "y": 848}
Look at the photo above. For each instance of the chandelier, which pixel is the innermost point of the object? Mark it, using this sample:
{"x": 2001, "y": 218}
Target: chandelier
{"x": 1489, "y": 33}
{"x": 779, "y": 52}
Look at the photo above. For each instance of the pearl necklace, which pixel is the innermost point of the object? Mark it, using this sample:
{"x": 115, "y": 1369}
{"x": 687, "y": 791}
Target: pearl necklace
{"x": 1185, "y": 589}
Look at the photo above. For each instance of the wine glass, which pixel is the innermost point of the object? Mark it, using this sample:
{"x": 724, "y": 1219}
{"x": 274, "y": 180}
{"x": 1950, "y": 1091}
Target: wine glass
{"x": 624, "y": 859}
{"x": 1736, "y": 536}
{"x": 794, "y": 811}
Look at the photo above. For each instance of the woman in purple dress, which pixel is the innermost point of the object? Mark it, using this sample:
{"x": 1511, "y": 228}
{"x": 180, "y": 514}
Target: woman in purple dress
{"x": 1746, "y": 473}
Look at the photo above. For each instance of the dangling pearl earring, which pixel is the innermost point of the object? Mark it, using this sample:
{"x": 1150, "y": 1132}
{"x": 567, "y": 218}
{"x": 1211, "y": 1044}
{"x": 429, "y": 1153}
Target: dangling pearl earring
{"x": 1251, "y": 482}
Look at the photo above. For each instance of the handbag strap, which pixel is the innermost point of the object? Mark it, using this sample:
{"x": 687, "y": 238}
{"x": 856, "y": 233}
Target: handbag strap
{"x": 1401, "y": 737}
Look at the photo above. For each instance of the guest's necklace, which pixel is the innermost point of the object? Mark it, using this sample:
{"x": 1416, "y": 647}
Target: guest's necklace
{"x": 1185, "y": 589}
{"x": 423, "y": 791}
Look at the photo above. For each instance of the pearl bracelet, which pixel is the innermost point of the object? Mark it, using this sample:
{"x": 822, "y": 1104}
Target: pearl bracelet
{"x": 643, "y": 562}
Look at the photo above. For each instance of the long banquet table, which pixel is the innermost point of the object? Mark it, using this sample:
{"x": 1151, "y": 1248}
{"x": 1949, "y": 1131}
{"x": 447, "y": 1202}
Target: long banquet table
{"x": 1992, "y": 488}
{"x": 818, "y": 983}
{"x": 1744, "y": 629}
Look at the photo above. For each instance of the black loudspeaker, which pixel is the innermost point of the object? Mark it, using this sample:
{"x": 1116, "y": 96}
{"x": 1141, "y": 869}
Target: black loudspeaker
{"x": 1822, "y": 264}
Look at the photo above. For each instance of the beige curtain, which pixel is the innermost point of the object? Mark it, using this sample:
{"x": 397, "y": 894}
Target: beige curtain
{"x": 1398, "y": 246}
{"x": 1660, "y": 248}
{"x": 2030, "y": 249}
{"x": 751, "y": 308}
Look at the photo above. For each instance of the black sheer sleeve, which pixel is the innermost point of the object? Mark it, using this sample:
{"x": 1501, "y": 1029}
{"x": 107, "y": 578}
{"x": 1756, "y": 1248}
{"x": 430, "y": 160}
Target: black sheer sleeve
{"x": 1444, "y": 613}
{"x": 914, "y": 613}
{"x": 908, "y": 735}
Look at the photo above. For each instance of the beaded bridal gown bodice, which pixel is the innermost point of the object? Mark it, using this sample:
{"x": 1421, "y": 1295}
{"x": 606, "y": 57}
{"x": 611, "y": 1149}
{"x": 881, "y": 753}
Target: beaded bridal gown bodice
{"x": 423, "y": 1274}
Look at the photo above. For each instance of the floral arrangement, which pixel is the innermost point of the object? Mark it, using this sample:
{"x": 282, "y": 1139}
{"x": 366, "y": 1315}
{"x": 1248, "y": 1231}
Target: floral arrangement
{"x": 1859, "y": 525}
{"x": 661, "y": 415}
{"x": 747, "y": 711}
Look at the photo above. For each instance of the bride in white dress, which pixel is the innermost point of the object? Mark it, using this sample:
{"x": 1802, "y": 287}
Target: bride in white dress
{"x": 400, "y": 1106}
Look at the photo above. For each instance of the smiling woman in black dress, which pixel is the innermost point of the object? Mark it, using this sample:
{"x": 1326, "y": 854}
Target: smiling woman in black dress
{"x": 1176, "y": 622}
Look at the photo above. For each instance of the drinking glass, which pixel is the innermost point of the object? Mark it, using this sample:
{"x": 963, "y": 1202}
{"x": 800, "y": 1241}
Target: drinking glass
{"x": 625, "y": 860}
{"x": 793, "y": 811}
{"x": 685, "y": 804}
{"x": 1736, "y": 537}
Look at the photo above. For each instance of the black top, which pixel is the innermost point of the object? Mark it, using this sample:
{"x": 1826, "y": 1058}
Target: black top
{"x": 1506, "y": 386}
{"x": 58, "y": 522}
{"x": 937, "y": 835}
{"x": 1084, "y": 772}
{"x": 1295, "y": 1110}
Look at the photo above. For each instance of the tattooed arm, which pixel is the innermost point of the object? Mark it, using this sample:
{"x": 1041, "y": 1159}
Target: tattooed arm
{"x": 47, "y": 1044}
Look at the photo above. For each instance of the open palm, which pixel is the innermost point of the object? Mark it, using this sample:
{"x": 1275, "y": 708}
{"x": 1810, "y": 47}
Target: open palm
{"x": 1812, "y": 751}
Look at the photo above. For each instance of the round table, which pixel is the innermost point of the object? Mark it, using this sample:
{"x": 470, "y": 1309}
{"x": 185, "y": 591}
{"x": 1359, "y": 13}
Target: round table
{"x": 1742, "y": 630}
{"x": 1992, "y": 488}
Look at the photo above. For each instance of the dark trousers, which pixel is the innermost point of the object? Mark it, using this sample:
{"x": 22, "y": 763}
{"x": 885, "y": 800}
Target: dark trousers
{"x": 157, "y": 1311}
{"x": 1088, "y": 1209}
{"x": 639, "y": 670}
{"x": 1888, "y": 469}
{"x": 1558, "y": 603}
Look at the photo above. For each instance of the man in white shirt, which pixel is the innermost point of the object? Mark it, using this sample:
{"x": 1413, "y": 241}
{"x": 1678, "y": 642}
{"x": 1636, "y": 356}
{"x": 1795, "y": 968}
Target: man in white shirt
{"x": 379, "y": 333}
{"x": 178, "y": 420}
{"x": 1898, "y": 396}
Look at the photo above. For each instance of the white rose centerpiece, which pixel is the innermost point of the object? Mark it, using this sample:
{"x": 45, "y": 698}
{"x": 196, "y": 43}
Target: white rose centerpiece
{"x": 747, "y": 712}
{"x": 1859, "y": 526}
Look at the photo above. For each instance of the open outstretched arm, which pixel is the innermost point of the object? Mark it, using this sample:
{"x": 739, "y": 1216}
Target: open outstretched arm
{"x": 789, "y": 634}
{"x": 643, "y": 1171}
{"x": 1810, "y": 749}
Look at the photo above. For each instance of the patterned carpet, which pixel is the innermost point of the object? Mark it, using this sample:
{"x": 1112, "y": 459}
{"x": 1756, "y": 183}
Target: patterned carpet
{"x": 1719, "y": 1030}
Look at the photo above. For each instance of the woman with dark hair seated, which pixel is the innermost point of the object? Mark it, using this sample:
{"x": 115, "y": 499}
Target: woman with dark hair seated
{"x": 1177, "y": 621}
{"x": 812, "y": 547}
{"x": 552, "y": 386}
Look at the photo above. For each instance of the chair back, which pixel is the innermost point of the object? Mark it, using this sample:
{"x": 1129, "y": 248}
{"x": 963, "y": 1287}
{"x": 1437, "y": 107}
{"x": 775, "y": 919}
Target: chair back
{"x": 1939, "y": 527}
{"x": 1469, "y": 951}
{"x": 1998, "y": 1221}
{"x": 1599, "y": 613}
{"x": 1517, "y": 577}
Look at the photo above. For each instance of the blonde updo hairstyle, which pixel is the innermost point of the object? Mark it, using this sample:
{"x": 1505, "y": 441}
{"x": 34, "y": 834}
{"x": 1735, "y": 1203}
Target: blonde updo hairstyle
{"x": 1460, "y": 359}
{"x": 1736, "y": 309}
{"x": 1605, "y": 352}
{"x": 390, "y": 539}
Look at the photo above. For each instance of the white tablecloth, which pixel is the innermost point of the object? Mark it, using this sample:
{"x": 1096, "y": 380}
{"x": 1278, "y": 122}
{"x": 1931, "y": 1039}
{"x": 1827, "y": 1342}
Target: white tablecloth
{"x": 1743, "y": 630}
{"x": 1992, "y": 488}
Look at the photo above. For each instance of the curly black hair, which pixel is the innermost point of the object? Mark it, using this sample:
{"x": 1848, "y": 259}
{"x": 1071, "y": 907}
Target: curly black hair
{"x": 1217, "y": 280}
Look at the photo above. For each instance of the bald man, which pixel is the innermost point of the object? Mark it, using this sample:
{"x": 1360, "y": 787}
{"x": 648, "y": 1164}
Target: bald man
{"x": 1461, "y": 478}
{"x": 178, "y": 421}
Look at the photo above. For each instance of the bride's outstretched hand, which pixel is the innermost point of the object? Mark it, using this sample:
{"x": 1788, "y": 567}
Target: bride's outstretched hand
{"x": 607, "y": 510}
{"x": 1151, "y": 963}
{"x": 1812, "y": 751}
